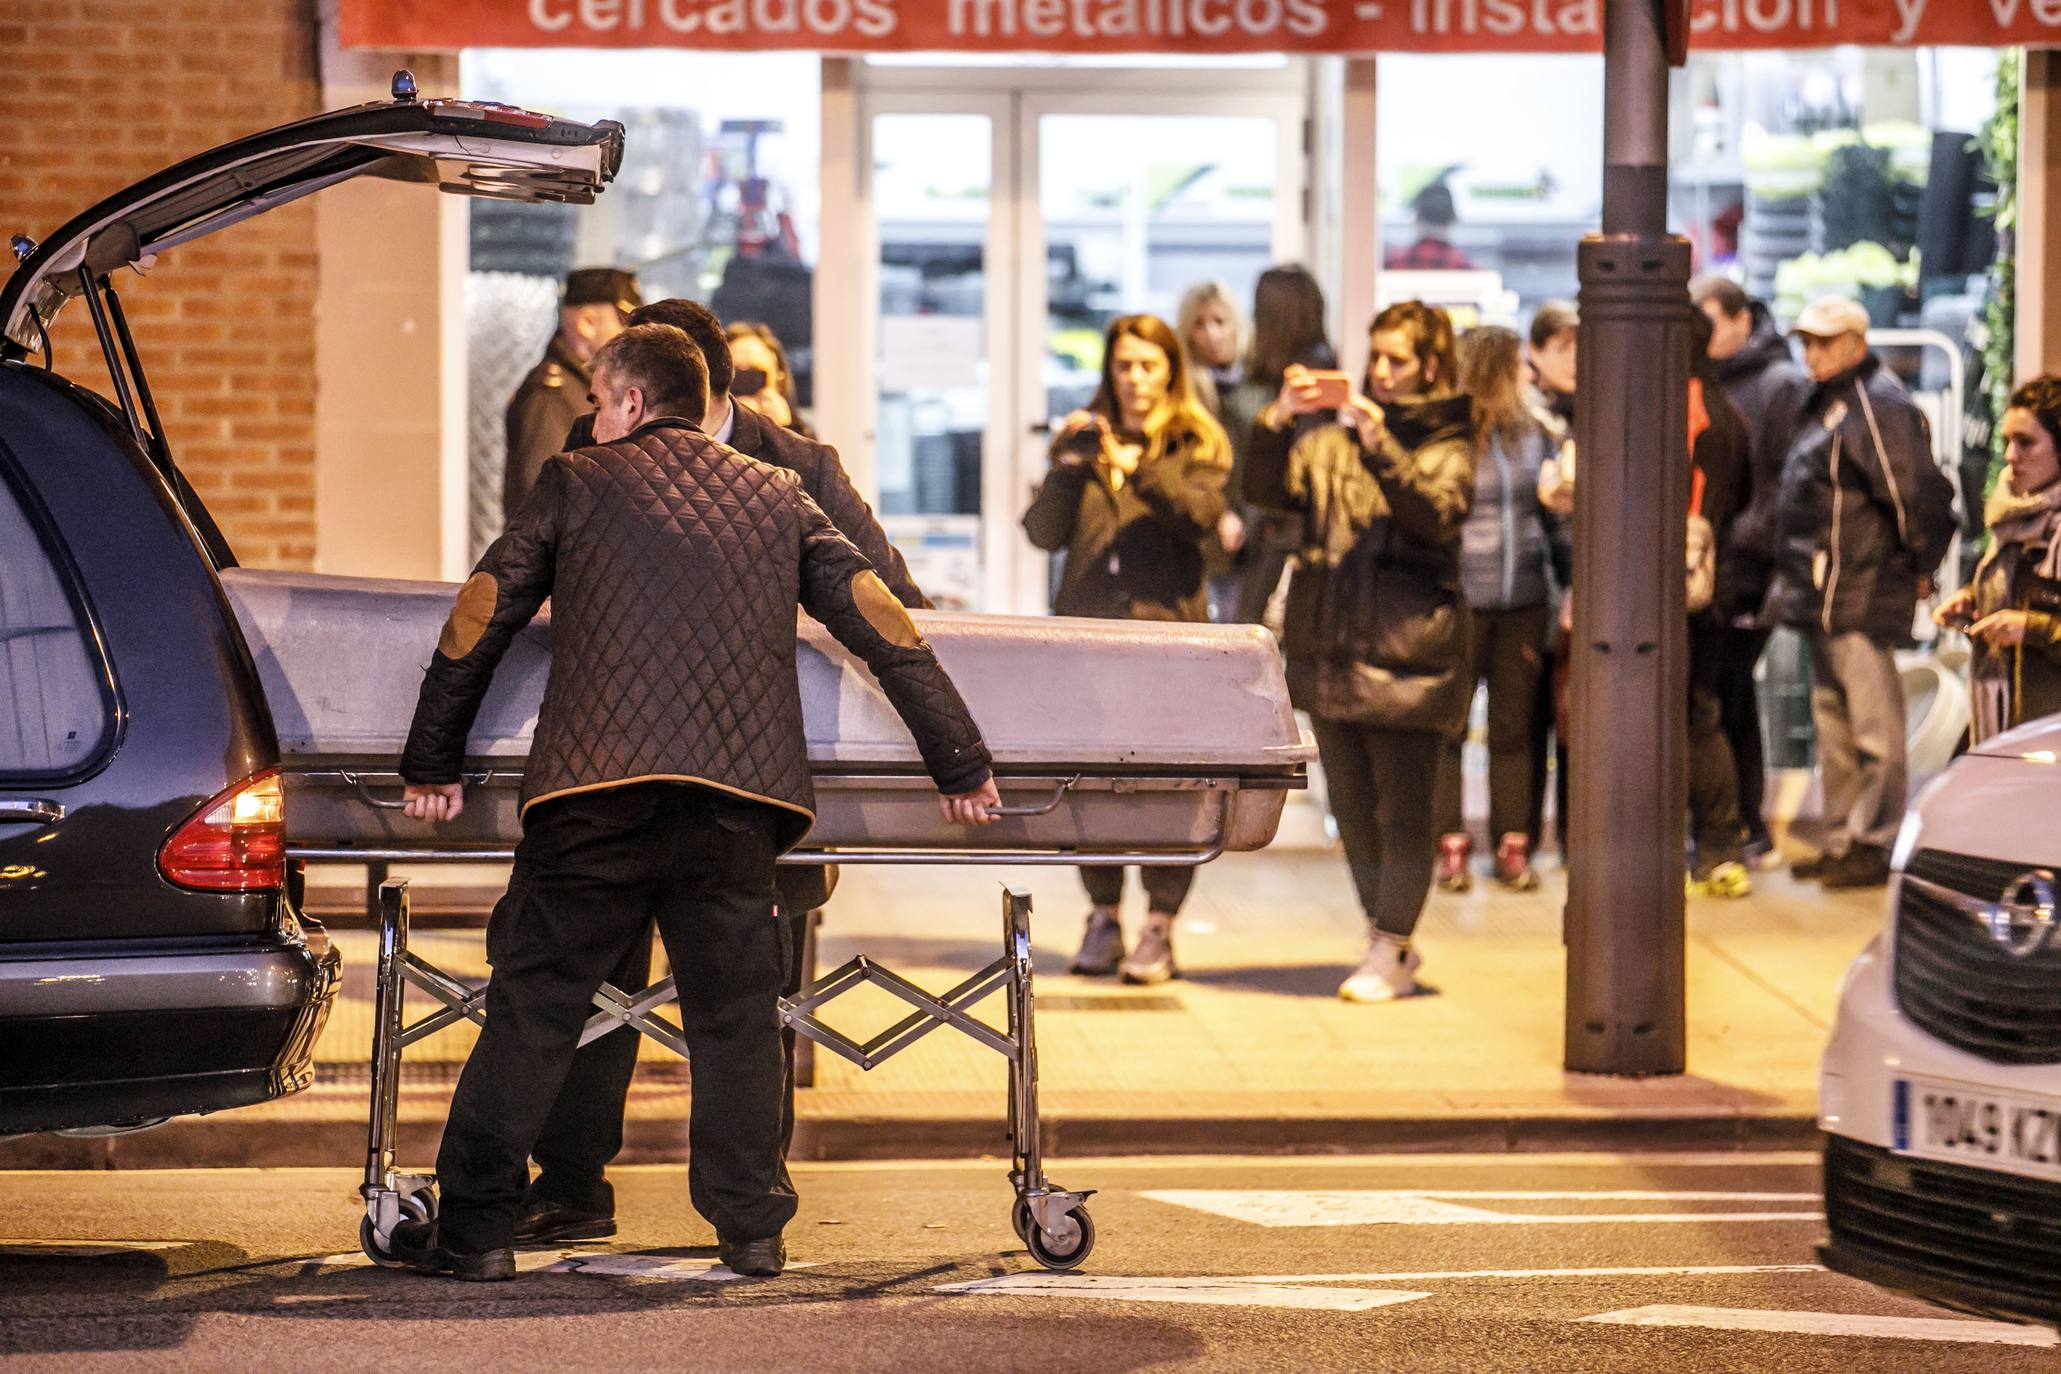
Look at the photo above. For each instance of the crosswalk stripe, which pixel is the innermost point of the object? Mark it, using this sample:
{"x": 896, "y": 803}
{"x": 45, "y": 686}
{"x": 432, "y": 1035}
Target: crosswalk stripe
{"x": 1640, "y": 1271}
{"x": 1212, "y": 1292}
{"x": 1431, "y": 1208}
{"x": 1832, "y": 1324}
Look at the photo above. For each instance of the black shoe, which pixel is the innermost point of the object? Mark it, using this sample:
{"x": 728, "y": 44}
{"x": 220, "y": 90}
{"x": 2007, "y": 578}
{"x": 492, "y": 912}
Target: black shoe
{"x": 1861, "y": 866}
{"x": 416, "y": 1245}
{"x": 1810, "y": 870}
{"x": 758, "y": 1259}
{"x": 544, "y": 1222}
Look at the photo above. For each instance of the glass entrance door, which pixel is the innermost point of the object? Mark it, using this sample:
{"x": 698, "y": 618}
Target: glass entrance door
{"x": 1008, "y": 229}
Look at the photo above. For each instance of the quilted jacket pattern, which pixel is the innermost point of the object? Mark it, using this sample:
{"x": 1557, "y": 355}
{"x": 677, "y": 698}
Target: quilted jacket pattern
{"x": 674, "y": 566}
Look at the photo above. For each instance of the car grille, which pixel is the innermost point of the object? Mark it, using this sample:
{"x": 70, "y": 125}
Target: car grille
{"x": 1968, "y": 1234}
{"x": 1956, "y": 981}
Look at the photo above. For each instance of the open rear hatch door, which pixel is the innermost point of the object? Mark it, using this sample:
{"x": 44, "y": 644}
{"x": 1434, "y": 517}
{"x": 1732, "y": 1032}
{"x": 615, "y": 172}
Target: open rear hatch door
{"x": 466, "y": 147}
{"x": 472, "y": 148}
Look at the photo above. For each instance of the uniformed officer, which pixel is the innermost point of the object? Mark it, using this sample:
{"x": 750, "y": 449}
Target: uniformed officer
{"x": 596, "y": 303}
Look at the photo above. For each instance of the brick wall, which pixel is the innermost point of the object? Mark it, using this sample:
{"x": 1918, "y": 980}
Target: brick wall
{"x": 102, "y": 94}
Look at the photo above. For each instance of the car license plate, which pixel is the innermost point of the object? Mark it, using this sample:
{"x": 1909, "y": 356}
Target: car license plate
{"x": 1959, "y": 1124}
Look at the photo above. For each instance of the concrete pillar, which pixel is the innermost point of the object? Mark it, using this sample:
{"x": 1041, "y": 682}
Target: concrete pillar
{"x": 390, "y": 351}
{"x": 1359, "y": 214}
{"x": 2039, "y": 215}
{"x": 844, "y": 276}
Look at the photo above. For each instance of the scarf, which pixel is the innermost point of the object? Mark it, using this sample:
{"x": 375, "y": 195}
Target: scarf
{"x": 2028, "y": 521}
{"x": 2024, "y": 522}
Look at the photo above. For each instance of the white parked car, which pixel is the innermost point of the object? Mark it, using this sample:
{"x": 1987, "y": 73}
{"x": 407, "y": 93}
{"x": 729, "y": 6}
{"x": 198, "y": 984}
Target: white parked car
{"x": 1941, "y": 1089}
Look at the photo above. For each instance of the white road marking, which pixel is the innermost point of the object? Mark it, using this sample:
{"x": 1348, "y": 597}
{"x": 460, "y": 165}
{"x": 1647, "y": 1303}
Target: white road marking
{"x": 83, "y": 1249}
{"x": 1832, "y": 1324}
{"x": 1424, "y": 1207}
{"x": 1653, "y": 1271}
{"x": 526, "y": 1261}
{"x": 1209, "y": 1292}
{"x": 671, "y": 1268}
{"x": 602, "y": 1263}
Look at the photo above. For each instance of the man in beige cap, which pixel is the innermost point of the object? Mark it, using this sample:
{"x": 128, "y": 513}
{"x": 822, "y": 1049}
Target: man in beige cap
{"x": 1864, "y": 518}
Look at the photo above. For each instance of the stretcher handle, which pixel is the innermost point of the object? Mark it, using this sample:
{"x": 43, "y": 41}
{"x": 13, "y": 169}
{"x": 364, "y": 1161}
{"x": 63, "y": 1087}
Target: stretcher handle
{"x": 365, "y": 793}
{"x": 1060, "y": 787}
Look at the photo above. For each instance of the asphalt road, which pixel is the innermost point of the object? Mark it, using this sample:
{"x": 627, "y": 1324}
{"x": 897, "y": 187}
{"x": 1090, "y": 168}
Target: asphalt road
{"x": 1475, "y": 1263}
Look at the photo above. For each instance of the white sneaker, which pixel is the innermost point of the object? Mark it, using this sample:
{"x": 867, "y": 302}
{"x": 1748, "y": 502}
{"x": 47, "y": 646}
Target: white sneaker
{"x": 1387, "y": 973}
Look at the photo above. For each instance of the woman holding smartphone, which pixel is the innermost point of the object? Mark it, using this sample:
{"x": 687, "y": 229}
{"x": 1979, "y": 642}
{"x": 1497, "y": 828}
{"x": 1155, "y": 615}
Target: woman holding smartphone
{"x": 1136, "y": 487}
{"x": 1376, "y": 632}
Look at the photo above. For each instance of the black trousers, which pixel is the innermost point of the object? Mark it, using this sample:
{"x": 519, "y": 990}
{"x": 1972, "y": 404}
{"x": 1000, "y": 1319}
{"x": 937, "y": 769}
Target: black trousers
{"x": 1713, "y": 779}
{"x": 584, "y": 1132}
{"x": 1739, "y": 700}
{"x": 1505, "y": 649}
{"x": 1380, "y": 782}
{"x": 1165, "y": 888}
{"x": 592, "y": 873}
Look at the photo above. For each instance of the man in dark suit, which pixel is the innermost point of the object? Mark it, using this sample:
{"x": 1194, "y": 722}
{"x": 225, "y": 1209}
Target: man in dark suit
{"x": 572, "y": 1198}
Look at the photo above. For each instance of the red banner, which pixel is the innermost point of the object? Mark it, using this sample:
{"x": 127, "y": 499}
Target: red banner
{"x": 1170, "y": 26}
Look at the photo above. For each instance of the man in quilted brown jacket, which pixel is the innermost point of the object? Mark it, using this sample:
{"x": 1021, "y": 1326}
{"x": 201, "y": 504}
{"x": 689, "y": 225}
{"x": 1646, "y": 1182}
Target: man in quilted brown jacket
{"x": 667, "y": 774}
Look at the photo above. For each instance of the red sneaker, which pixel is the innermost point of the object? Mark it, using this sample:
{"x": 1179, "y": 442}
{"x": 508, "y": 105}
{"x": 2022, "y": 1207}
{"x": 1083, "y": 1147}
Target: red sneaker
{"x": 1454, "y": 851}
{"x": 1513, "y": 864}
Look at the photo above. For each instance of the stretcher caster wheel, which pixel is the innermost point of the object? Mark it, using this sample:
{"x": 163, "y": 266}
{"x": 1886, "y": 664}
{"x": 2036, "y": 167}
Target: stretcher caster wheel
{"x": 368, "y": 1241}
{"x": 1020, "y": 1218}
{"x": 420, "y": 1205}
{"x": 1062, "y": 1254}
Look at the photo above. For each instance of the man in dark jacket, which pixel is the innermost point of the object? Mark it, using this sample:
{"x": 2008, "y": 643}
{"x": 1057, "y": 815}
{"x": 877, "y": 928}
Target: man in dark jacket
{"x": 1865, "y": 516}
{"x": 555, "y": 391}
{"x": 1759, "y": 376}
{"x": 668, "y": 772}
{"x": 571, "y": 1198}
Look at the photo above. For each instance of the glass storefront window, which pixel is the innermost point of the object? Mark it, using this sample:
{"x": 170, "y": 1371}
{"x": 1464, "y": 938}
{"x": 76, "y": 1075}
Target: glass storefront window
{"x": 1498, "y": 159}
{"x": 1138, "y": 208}
{"x": 717, "y": 199}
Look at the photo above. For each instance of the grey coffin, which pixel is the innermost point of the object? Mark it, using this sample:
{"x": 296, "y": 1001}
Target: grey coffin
{"x": 1174, "y": 730}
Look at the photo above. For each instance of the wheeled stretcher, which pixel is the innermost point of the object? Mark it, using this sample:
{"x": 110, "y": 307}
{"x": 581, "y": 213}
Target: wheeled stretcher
{"x": 1114, "y": 742}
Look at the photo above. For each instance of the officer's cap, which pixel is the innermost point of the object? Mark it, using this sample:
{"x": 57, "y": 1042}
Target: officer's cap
{"x": 603, "y": 286}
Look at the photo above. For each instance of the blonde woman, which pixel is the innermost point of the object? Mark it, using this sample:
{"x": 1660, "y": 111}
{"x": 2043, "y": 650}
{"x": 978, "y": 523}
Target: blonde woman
{"x": 763, "y": 380}
{"x": 1216, "y": 334}
{"x": 1136, "y": 487}
{"x": 1503, "y": 572}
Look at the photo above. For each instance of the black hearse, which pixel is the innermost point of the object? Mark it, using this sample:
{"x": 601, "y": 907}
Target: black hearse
{"x": 152, "y": 963}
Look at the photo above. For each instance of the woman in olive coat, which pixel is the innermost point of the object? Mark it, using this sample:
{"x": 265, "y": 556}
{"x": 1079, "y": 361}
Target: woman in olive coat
{"x": 1376, "y": 630}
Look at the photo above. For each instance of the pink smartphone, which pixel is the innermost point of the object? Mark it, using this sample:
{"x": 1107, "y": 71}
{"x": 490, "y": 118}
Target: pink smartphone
{"x": 1334, "y": 389}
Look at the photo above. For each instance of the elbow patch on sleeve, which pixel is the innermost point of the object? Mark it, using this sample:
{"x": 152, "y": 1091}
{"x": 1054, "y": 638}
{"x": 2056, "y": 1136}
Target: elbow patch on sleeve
{"x": 469, "y": 617}
{"x": 888, "y": 617}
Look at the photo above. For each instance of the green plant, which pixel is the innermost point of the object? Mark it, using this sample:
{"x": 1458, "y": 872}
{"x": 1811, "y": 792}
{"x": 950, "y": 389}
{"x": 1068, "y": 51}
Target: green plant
{"x": 1999, "y": 144}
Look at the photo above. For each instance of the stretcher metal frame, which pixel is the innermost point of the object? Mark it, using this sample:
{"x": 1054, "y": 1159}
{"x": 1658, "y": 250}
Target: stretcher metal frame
{"x": 1052, "y": 1222}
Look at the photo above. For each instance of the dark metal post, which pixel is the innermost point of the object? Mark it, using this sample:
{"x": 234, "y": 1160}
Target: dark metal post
{"x": 1629, "y": 736}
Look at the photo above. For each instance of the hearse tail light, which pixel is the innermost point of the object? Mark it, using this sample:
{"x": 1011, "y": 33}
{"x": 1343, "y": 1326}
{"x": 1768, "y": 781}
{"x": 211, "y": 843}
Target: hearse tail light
{"x": 236, "y": 843}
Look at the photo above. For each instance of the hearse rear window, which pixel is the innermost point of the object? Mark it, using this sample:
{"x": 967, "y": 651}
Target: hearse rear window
{"x": 54, "y": 709}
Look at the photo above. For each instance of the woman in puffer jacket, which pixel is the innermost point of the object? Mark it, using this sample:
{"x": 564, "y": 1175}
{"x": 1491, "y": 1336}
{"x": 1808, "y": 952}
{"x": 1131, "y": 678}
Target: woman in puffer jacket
{"x": 1135, "y": 489}
{"x": 1376, "y": 629}
{"x": 2012, "y": 609}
